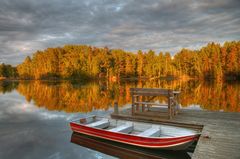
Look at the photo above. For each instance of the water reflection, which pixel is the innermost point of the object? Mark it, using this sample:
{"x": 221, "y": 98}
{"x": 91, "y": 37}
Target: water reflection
{"x": 74, "y": 97}
{"x": 7, "y": 86}
{"x": 27, "y": 131}
{"x": 124, "y": 151}
{"x": 34, "y": 115}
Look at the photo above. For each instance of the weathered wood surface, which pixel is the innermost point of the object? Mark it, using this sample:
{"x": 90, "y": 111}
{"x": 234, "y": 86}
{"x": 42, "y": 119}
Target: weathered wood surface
{"x": 153, "y": 92}
{"x": 151, "y": 103}
{"x": 223, "y": 129}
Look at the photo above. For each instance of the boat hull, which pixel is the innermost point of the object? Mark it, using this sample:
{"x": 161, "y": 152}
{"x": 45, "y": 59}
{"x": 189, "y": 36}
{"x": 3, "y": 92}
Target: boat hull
{"x": 171, "y": 143}
{"x": 121, "y": 150}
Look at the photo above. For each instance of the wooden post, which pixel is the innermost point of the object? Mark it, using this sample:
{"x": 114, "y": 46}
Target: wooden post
{"x": 177, "y": 104}
{"x": 115, "y": 107}
{"x": 137, "y": 105}
{"x": 148, "y": 106}
{"x": 169, "y": 106}
{"x": 143, "y": 105}
{"x": 133, "y": 107}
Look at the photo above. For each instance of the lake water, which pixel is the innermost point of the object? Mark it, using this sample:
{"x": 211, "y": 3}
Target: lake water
{"x": 34, "y": 115}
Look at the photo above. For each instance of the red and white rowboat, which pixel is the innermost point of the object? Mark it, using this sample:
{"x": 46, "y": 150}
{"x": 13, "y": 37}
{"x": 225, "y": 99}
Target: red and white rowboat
{"x": 136, "y": 133}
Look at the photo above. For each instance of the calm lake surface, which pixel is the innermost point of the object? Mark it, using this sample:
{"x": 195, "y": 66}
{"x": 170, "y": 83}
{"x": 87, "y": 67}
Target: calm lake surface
{"x": 34, "y": 115}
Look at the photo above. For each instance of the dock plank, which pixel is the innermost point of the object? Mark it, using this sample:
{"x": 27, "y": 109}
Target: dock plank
{"x": 222, "y": 128}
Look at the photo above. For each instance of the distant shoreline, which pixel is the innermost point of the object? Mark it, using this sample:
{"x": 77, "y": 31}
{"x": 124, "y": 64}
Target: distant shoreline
{"x": 168, "y": 78}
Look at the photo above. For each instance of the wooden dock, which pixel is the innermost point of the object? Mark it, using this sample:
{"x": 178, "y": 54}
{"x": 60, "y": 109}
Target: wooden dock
{"x": 220, "y": 137}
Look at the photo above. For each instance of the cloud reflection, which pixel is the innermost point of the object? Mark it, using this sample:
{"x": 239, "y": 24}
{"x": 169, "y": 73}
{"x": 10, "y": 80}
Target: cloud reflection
{"x": 27, "y": 131}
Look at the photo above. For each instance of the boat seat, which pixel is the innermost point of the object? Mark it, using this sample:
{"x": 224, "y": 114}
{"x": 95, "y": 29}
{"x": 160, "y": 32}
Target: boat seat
{"x": 100, "y": 124}
{"x": 126, "y": 128}
{"x": 154, "y": 131}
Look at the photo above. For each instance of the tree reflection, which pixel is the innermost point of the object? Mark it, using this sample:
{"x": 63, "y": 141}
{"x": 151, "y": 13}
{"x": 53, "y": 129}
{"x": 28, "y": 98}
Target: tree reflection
{"x": 74, "y": 97}
{"x": 7, "y": 86}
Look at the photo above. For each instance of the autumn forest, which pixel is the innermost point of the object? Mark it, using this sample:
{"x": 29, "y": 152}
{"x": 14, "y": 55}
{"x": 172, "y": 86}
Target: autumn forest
{"x": 83, "y": 62}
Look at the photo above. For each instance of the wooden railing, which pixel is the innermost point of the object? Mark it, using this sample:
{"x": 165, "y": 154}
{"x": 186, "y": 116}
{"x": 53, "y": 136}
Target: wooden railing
{"x": 171, "y": 95}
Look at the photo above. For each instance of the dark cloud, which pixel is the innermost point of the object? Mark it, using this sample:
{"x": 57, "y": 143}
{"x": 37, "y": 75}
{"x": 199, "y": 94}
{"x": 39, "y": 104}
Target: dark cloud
{"x": 27, "y": 25}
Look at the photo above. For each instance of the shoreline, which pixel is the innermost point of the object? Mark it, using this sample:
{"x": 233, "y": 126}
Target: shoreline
{"x": 125, "y": 79}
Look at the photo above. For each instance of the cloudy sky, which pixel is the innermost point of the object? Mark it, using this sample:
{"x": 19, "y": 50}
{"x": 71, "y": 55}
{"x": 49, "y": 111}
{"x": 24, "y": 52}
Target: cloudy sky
{"x": 164, "y": 25}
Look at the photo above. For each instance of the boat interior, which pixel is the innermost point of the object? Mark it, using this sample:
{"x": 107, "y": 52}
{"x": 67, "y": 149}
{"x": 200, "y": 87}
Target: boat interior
{"x": 136, "y": 128}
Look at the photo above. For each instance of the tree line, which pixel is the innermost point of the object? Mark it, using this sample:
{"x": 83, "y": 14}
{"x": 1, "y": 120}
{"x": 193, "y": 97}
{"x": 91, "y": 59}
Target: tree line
{"x": 8, "y": 71}
{"x": 212, "y": 61}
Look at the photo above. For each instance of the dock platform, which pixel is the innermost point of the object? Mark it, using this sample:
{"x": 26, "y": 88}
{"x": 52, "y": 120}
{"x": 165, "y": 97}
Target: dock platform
{"x": 220, "y": 137}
